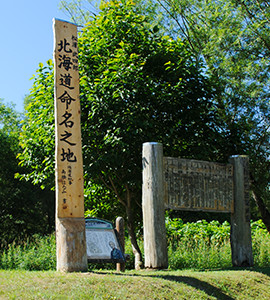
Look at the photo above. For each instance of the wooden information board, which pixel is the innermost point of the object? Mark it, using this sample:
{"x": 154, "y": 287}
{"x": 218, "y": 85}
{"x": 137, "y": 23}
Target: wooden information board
{"x": 196, "y": 185}
{"x": 102, "y": 242}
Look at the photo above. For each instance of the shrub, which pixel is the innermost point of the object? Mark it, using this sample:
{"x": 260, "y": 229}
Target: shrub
{"x": 37, "y": 253}
{"x": 260, "y": 244}
{"x": 199, "y": 245}
{"x": 202, "y": 245}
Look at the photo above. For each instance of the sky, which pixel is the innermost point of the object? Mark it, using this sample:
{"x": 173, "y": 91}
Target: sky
{"x": 26, "y": 40}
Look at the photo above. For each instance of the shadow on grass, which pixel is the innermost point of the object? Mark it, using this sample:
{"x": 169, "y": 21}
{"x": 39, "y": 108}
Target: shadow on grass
{"x": 265, "y": 271}
{"x": 199, "y": 285}
{"x": 203, "y": 286}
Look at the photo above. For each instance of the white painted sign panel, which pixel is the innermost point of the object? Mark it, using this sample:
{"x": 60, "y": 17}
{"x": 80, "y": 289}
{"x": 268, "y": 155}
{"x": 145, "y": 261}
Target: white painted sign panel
{"x": 101, "y": 242}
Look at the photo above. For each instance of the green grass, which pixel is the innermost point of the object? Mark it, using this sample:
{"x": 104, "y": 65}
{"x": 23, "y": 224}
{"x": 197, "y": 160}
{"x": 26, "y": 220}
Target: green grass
{"x": 203, "y": 256}
{"x": 202, "y": 245}
{"x": 230, "y": 284}
{"x": 199, "y": 246}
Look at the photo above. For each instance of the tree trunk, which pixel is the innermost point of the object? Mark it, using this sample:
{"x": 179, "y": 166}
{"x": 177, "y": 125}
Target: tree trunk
{"x": 265, "y": 214}
{"x": 130, "y": 221}
{"x": 135, "y": 247}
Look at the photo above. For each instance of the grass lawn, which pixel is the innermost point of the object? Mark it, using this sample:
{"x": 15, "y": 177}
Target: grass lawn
{"x": 184, "y": 284}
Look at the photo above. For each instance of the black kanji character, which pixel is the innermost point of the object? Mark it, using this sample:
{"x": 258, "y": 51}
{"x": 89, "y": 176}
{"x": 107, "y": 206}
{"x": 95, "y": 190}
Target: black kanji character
{"x": 65, "y": 136}
{"x": 65, "y": 61}
{"x": 66, "y": 81}
{"x": 66, "y": 98}
{"x": 63, "y": 46}
{"x": 66, "y": 122}
{"x": 69, "y": 156}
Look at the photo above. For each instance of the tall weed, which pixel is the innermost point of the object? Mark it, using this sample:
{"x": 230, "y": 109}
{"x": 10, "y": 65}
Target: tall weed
{"x": 204, "y": 245}
{"x": 200, "y": 245}
{"x": 35, "y": 254}
{"x": 260, "y": 244}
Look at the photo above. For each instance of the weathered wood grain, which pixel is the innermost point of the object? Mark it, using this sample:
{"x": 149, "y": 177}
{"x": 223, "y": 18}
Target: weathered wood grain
{"x": 155, "y": 248}
{"x": 241, "y": 243}
{"x": 196, "y": 185}
{"x": 70, "y": 223}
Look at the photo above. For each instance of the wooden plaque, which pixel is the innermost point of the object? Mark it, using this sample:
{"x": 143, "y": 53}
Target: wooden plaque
{"x": 198, "y": 185}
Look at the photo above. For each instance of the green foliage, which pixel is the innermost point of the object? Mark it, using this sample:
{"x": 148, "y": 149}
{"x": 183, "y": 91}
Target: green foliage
{"x": 80, "y": 11}
{"x": 37, "y": 253}
{"x": 100, "y": 203}
{"x": 128, "y": 250}
{"x": 203, "y": 256}
{"x": 37, "y": 136}
{"x": 235, "y": 56}
{"x": 24, "y": 209}
{"x": 9, "y": 131}
{"x": 212, "y": 233}
{"x": 9, "y": 122}
{"x": 232, "y": 37}
{"x": 83, "y": 11}
{"x": 198, "y": 245}
{"x": 206, "y": 245}
{"x": 261, "y": 244}
{"x": 138, "y": 86}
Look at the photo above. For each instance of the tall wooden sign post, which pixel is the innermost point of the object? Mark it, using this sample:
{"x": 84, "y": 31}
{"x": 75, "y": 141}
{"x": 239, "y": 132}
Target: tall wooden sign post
{"x": 70, "y": 222}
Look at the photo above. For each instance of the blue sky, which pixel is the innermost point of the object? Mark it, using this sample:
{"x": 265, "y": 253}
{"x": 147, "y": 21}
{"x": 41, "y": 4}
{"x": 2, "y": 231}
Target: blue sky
{"x": 26, "y": 40}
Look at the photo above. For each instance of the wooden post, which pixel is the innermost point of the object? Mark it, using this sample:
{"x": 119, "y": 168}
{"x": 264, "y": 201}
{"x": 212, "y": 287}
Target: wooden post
{"x": 155, "y": 246}
{"x": 120, "y": 228}
{"x": 70, "y": 223}
{"x": 241, "y": 244}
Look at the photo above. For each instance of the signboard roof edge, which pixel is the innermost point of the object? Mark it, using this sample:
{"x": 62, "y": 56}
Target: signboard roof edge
{"x": 56, "y": 19}
{"x": 97, "y": 223}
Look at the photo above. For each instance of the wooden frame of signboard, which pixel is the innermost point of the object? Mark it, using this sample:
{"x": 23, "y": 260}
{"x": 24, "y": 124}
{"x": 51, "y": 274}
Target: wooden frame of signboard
{"x": 175, "y": 183}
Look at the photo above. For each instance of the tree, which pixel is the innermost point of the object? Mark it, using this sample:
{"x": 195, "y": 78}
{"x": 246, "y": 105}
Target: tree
{"x": 232, "y": 38}
{"x": 23, "y": 209}
{"x": 136, "y": 86}
{"x": 37, "y": 136}
{"x": 80, "y": 11}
